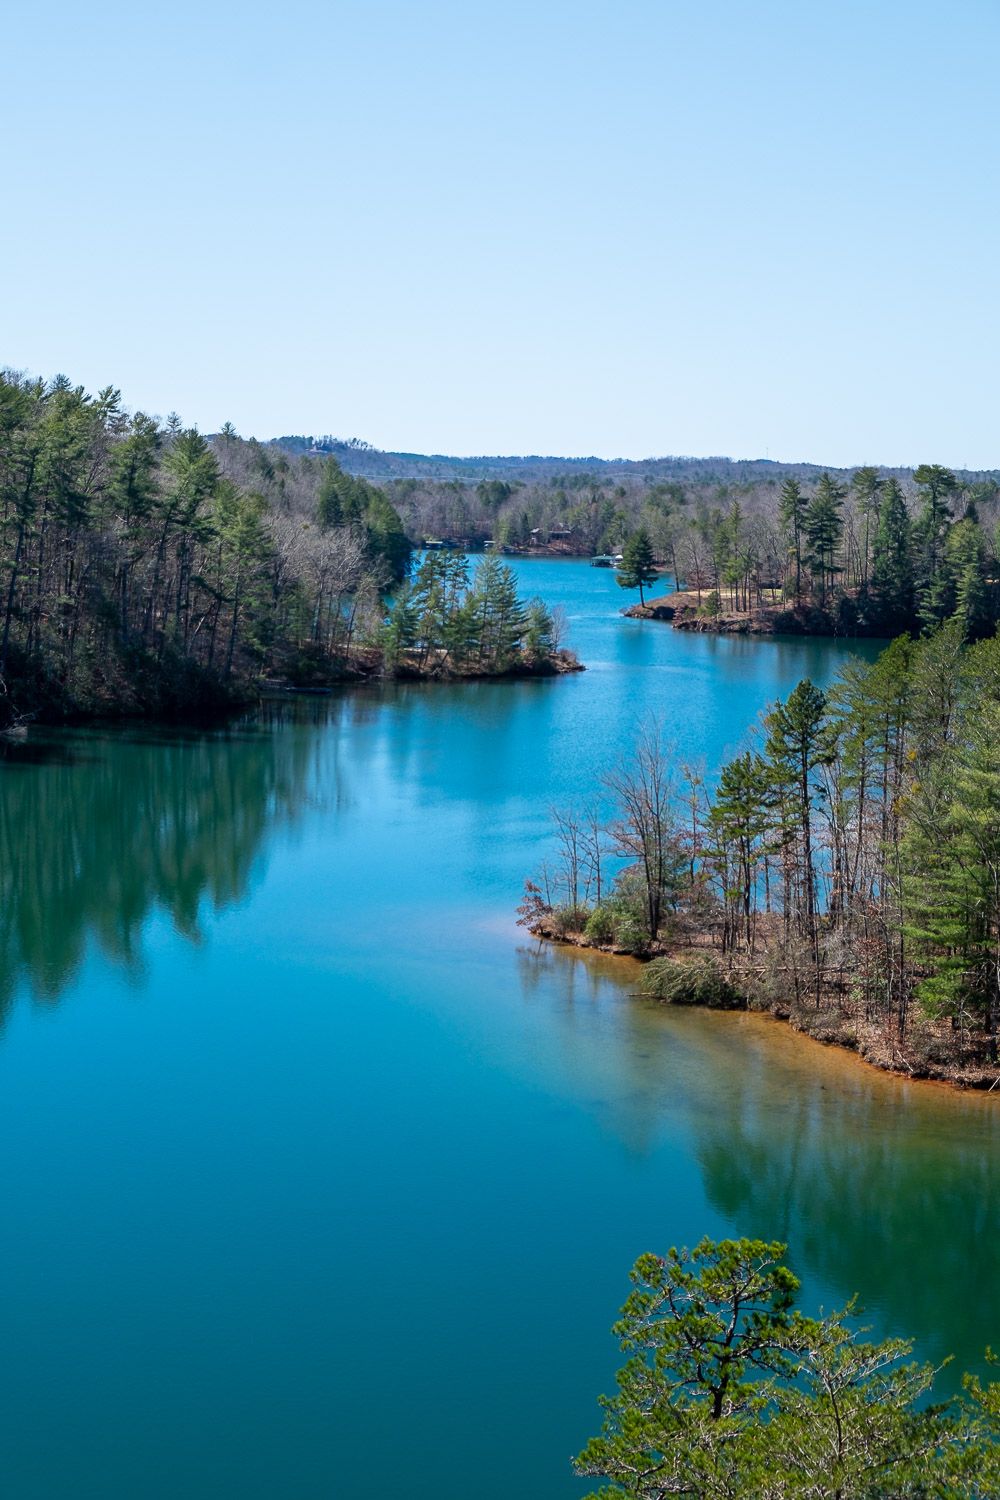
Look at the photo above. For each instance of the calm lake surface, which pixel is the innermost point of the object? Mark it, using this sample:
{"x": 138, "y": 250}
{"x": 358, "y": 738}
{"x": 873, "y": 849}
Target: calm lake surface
{"x": 319, "y": 1178}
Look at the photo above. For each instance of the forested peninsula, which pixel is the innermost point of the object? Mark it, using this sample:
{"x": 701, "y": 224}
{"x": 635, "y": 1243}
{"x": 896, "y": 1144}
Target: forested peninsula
{"x": 846, "y": 559}
{"x": 843, "y": 873}
{"x": 146, "y": 569}
{"x": 754, "y": 547}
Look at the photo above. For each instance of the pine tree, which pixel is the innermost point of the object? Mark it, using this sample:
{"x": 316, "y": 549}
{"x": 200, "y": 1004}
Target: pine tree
{"x": 193, "y": 477}
{"x": 964, "y": 567}
{"x": 498, "y": 614}
{"x": 866, "y": 485}
{"x": 429, "y": 598}
{"x": 824, "y": 529}
{"x": 244, "y": 550}
{"x": 539, "y": 632}
{"x": 330, "y": 500}
{"x": 935, "y": 699}
{"x": 131, "y": 495}
{"x": 952, "y": 848}
{"x": 729, "y": 1391}
{"x": 638, "y": 565}
{"x": 930, "y": 532}
{"x": 401, "y": 628}
{"x": 892, "y": 563}
{"x": 740, "y": 821}
{"x": 792, "y": 508}
{"x": 386, "y": 537}
{"x": 457, "y": 626}
{"x": 799, "y": 740}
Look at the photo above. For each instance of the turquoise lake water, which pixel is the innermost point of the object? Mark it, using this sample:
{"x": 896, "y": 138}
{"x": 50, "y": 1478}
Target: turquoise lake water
{"x": 320, "y": 1178}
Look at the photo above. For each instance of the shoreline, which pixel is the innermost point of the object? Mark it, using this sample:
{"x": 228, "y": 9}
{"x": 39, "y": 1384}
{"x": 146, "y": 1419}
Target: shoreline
{"x": 683, "y": 610}
{"x": 213, "y": 706}
{"x": 833, "y": 1027}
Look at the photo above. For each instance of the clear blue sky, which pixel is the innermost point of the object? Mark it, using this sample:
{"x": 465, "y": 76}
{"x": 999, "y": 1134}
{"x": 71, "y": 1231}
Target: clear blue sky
{"x": 631, "y": 228}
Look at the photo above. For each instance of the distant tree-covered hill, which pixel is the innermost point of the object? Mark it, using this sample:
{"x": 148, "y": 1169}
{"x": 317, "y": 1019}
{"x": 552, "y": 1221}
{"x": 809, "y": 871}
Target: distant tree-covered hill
{"x": 368, "y": 462}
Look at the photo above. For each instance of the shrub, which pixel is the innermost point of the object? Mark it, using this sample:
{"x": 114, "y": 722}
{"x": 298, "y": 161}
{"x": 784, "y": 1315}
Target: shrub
{"x": 569, "y": 919}
{"x": 600, "y": 926}
{"x": 615, "y": 923}
{"x": 712, "y": 605}
{"x": 689, "y": 981}
{"x": 629, "y": 935}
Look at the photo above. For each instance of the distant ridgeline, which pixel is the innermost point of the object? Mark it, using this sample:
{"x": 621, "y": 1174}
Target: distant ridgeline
{"x": 145, "y": 568}
{"x": 368, "y": 462}
{"x": 874, "y": 550}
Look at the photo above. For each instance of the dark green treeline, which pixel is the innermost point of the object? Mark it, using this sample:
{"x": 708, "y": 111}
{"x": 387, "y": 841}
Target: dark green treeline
{"x": 861, "y": 557}
{"x": 142, "y": 567}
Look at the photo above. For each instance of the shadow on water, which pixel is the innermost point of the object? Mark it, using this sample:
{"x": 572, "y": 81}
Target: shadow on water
{"x": 102, "y": 827}
{"x": 105, "y": 827}
{"x": 16, "y": 752}
{"x": 882, "y": 1187}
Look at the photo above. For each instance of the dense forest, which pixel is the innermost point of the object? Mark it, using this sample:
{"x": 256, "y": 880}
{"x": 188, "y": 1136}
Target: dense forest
{"x": 843, "y": 871}
{"x": 870, "y": 549}
{"x": 144, "y": 568}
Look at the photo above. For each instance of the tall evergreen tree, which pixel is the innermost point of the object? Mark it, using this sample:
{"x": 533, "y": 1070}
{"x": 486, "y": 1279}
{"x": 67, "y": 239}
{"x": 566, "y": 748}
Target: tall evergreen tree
{"x": 964, "y": 566}
{"x": 240, "y": 525}
{"x": 330, "y": 500}
{"x": 792, "y": 509}
{"x": 498, "y": 614}
{"x": 401, "y": 628}
{"x": 728, "y": 1391}
{"x": 740, "y": 822}
{"x": 638, "y": 565}
{"x": 935, "y": 484}
{"x": 892, "y": 563}
{"x": 799, "y": 741}
{"x": 539, "y": 631}
{"x": 952, "y": 852}
{"x": 386, "y": 537}
{"x": 866, "y": 486}
{"x": 824, "y": 529}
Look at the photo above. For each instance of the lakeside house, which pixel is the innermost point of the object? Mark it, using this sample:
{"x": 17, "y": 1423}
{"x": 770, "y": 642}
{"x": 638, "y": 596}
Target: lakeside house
{"x": 542, "y": 536}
